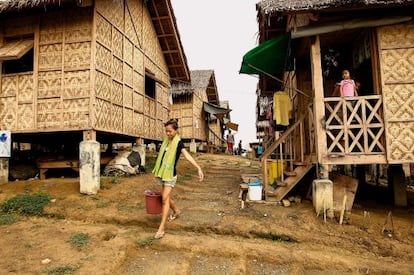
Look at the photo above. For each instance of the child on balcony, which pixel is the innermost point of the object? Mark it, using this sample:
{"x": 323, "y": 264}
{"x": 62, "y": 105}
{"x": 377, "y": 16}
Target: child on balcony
{"x": 347, "y": 85}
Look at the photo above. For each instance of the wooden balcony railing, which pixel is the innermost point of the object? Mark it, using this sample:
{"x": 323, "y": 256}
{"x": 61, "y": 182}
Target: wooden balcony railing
{"x": 354, "y": 125}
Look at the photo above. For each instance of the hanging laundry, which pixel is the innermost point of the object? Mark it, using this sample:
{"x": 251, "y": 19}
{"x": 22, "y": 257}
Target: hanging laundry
{"x": 281, "y": 108}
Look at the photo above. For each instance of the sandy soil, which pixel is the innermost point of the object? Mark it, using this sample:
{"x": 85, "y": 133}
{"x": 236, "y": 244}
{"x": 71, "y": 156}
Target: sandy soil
{"x": 212, "y": 236}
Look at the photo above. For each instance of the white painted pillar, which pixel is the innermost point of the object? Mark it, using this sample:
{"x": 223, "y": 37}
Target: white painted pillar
{"x": 322, "y": 196}
{"x": 193, "y": 146}
{"x": 140, "y": 148}
{"x": 89, "y": 167}
{"x": 4, "y": 170}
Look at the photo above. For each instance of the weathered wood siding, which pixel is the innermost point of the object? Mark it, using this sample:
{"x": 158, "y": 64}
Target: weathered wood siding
{"x": 396, "y": 49}
{"x": 56, "y": 95}
{"x": 126, "y": 46}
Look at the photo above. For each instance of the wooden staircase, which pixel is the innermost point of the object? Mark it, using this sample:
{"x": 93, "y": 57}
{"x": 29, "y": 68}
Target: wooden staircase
{"x": 289, "y": 150}
{"x": 291, "y": 179}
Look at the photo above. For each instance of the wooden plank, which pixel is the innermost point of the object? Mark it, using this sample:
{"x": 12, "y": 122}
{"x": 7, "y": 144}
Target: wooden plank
{"x": 290, "y": 182}
{"x": 318, "y": 106}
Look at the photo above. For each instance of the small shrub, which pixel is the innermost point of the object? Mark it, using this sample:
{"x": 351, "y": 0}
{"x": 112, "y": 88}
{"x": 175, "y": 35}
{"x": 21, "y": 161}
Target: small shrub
{"x": 27, "y": 204}
{"x": 103, "y": 204}
{"x": 60, "y": 270}
{"x": 7, "y": 218}
{"x": 145, "y": 242}
{"x": 79, "y": 240}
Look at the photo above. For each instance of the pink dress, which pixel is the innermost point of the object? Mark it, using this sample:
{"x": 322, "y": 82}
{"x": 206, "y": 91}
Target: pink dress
{"x": 348, "y": 87}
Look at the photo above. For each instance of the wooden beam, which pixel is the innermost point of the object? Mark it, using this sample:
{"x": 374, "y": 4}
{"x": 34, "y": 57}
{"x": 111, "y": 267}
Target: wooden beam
{"x": 318, "y": 102}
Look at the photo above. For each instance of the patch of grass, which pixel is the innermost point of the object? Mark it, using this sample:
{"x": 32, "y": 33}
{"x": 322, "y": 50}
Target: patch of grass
{"x": 7, "y": 218}
{"x": 126, "y": 207}
{"x": 79, "y": 240}
{"x": 66, "y": 269}
{"x": 27, "y": 204}
{"x": 146, "y": 242}
{"x": 103, "y": 204}
{"x": 275, "y": 237}
{"x": 115, "y": 179}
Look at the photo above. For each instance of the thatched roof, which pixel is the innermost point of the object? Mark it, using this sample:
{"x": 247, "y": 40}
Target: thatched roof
{"x": 15, "y": 5}
{"x": 201, "y": 80}
{"x": 273, "y": 6}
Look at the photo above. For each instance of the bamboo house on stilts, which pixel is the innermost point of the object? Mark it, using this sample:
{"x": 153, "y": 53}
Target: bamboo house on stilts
{"x": 77, "y": 71}
{"x": 202, "y": 116}
{"x": 304, "y": 46}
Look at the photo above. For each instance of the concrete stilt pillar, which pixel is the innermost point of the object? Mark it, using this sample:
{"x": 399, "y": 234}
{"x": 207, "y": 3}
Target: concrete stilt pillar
{"x": 322, "y": 196}
{"x": 89, "y": 166}
{"x": 4, "y": 170}
{"x": 140, "y": 148}
{"x": 193, "y": 146}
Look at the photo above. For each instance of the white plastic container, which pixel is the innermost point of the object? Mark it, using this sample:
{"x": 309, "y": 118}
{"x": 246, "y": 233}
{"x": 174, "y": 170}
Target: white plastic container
{"x": 255, "y": 191}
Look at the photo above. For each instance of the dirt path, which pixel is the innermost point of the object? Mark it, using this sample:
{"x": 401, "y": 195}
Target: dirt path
{"x": 212, "y": 236}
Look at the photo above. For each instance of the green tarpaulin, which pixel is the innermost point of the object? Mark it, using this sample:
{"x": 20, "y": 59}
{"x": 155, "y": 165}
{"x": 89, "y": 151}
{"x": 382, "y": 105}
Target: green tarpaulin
{"x": 269, "y": 57}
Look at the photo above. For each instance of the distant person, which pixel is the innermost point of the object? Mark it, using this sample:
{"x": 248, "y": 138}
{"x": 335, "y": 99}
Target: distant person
{"x": 230, "y": 142}
{"x": 166, "y": 174}
{"x": 259, "y": 150}
{"x": 240, "y": 148}
{"x": 347, "y": 86}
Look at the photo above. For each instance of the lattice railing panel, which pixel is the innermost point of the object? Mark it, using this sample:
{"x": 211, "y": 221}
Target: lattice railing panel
{"x": 354, "y": 125}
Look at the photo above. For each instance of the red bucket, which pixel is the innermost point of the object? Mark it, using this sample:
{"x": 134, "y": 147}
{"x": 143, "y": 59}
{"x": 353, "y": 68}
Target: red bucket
{"x": 153, "y": 202}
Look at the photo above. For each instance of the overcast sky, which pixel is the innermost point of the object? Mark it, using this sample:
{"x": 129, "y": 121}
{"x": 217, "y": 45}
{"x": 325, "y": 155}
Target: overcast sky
{"x": 215, "y": 35}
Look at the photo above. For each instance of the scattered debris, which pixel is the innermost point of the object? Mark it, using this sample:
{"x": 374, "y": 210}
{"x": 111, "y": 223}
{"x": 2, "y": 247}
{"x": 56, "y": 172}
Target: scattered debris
{"x": 46, "y": 261}
{"x": 286, "y": 203}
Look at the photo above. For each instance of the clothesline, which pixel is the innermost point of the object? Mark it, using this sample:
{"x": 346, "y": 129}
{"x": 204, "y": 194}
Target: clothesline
{"x": 277, "y": 79}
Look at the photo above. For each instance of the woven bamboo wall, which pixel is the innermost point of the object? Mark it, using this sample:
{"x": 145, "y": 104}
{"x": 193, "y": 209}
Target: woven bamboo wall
{"x": 56, "y": 95}
{"x": 184, "y": 113}
{"x": 127, "y": 46}
{"x": 396, "y": 46}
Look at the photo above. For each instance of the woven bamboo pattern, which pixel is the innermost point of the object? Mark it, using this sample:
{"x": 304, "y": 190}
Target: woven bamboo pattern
{"x": 102, "y": 114}
{"x": 138, "y": 60}
{"x": 50, "y": 57}
{"x": 152, "y": 108}
{"x": 103, "y": 31}
{"x": 128, "y": 123}
{"x": 138, "y": 102}
{"x": 128, "y": 51}
{"x": 103, "y": 59}
{"x": 153, "y": 128}
{"x": 117, "y": 93}
{"x": 398, "y": 65}
{"x": 25, "y": 114}
{"x": 51, "y": 29}
{"x": 139, "y": 123}
{"x": 76, "y": 84}
{"x": 103, "y": 86}
{"x": 8, "y": 113}
{"x": 75, "y": 113}
{"x": 78, "y": 25}
{"x": 117, "y": 68}
{"x": 397, "y": 36}
{"x": 117, "y": 42}
{"x": 128, "y": 75}
{"x": 133, "y": 23}
{"x": 128, "y": 97}
{"x": 26, "y": 89}
{"x": 49, "y": 113}
{"x": 146, "y": 126}
{"x": 138, "y": 83}
{"x": 117, "y": 118}
{"x": 9, "y": 85}
{"x": 399, "y": 100}
{"x": 147, "y": 103}
{"x": 49, "y": 84}
{"x": 77, "y": 56}
{"x": 401, "y": 142}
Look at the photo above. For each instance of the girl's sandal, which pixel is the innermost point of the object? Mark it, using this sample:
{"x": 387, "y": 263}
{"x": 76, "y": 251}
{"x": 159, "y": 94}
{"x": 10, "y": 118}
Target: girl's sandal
{"x": 159, "y": 235}
{"x": 174, "y": 216}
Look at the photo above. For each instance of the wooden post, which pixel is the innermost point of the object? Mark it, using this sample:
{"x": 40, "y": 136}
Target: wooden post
{"x": 398, "y": 184}
{"x": 318, "y": 94}
{"x": 89, "y": 135}
{"x": 4, "y": 170}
